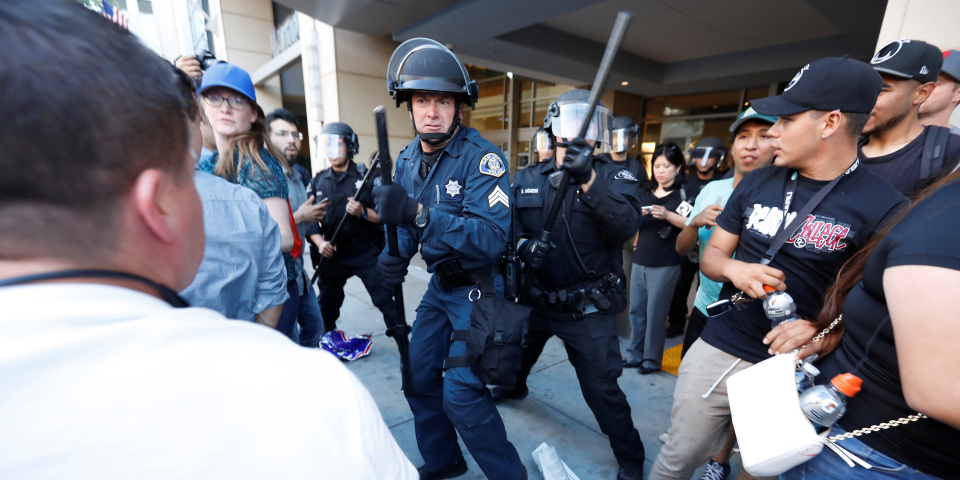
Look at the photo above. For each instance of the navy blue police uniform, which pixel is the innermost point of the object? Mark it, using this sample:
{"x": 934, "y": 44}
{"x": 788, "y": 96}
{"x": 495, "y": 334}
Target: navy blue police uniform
{"x": 358, "y": 244}
{"x": 468, "y": 193}
{"x": 581, "y": 287}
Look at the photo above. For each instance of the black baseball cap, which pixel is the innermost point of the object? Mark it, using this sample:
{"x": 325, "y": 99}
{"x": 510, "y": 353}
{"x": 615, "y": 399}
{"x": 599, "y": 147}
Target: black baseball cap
{"x": 909, "y": 59}
{"x": 828, "y": 84}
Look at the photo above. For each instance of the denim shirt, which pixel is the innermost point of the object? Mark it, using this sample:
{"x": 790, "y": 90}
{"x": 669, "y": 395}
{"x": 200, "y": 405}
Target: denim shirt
{"x": 242, "y": 272}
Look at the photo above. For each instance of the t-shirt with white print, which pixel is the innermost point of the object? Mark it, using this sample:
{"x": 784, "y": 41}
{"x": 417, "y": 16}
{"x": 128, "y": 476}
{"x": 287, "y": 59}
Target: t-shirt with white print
{"x": 859, "y": 205}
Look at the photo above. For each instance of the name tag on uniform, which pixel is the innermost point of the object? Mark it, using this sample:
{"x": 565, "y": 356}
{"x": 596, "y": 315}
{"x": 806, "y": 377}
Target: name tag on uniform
{"x": 684, "y": 209}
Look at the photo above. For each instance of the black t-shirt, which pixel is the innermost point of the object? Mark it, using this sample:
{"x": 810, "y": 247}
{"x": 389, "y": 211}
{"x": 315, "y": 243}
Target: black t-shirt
{"x": 693, "y": 184}
{"x": 839, "y": 226}
{"x": 926, "y": 236}
{"x": 902, "y": 168}
{"x": 652, "y": 250}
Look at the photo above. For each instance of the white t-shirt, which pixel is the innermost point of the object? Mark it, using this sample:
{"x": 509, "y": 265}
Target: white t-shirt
{"x": 103, "y": 382}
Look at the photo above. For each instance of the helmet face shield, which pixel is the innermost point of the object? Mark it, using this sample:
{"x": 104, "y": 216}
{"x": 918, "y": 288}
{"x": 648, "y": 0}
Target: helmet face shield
{"x": 542, "y": 141}
{"x": 572, "y": 116}
{"x": 333, "y": 146}
{"x": 700, "y": 156}
{"x": 622, "y": 139}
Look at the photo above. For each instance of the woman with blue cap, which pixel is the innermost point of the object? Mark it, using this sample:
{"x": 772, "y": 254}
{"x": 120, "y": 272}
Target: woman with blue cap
{"x": 246, "y": 156}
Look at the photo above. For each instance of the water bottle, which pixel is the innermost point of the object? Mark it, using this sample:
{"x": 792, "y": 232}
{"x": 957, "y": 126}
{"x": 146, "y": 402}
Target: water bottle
{"x": 825, "y": 404}
{"x": 779, "y": 306}
{"x": 806, "y": 374}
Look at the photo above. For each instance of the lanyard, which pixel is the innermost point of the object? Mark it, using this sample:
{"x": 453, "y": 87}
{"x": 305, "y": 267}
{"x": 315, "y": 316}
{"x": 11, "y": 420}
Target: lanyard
{"x": 169, "y": 296}
{"x": 789, "y": 190}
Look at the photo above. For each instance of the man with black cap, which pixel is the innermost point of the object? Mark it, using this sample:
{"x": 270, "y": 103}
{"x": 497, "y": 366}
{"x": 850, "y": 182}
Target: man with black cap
{"x": 792, "y": 226}
{"x": 579, "y": 283}
{"x": 896, "y": 145}
{"x": 945, "y": 98}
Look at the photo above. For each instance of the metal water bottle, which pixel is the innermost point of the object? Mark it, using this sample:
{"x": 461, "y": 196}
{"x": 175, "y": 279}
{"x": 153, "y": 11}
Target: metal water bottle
{"x": 779, "y": 306}
{"x": 825, "y": 404}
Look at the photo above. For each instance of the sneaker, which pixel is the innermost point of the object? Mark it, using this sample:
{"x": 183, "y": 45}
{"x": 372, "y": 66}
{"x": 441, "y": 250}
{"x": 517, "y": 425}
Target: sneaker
{"x": 450, "y": 470}
{"x": 664, "y": 437}
{"x": 715, "y": 471}
{"x": 500, "y": 394}
{"x": 630, "y": 473}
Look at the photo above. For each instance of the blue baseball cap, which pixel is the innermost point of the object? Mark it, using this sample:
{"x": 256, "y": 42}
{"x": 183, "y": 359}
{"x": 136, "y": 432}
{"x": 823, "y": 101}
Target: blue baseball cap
{"x": 230, "y": 76}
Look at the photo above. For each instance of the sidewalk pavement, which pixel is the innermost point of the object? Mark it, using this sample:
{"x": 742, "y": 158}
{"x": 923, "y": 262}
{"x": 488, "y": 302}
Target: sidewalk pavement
{"x": 555, "y": 411}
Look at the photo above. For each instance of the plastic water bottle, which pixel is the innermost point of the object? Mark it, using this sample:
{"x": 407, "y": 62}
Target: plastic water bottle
{"x": 825, "y": 404}
{"x": 806, "y": 374}
{"x": 779, "y": 306}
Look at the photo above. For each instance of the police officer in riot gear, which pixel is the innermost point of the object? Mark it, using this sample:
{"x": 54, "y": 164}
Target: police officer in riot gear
{"x": 360, "y": 238}
{"x": 623, "y": 137}
{"x": 580, "y": 284}
{"x": 544, "y": 145}
{"x": 451, "y": 198}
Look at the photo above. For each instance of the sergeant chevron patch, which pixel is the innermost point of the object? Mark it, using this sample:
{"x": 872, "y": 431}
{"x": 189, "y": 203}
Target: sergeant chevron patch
{"x": 498, "y": 196}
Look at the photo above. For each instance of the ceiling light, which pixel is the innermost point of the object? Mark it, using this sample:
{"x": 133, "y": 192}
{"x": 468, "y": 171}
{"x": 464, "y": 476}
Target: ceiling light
{"x": 509, "y": 74}
{"x": 624, "y": 83}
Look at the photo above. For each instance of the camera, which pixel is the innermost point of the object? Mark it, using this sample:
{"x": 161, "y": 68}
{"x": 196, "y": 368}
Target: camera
{"x": 206, "y": 59}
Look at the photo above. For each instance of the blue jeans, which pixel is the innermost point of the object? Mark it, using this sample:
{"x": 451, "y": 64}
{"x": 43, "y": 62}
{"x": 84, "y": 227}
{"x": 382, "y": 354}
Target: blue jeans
{"x": 291, "y": 309}
{"x": 456, "y": 401}
{"x": 310, "y": 320}
{"x": 829, "y": 465}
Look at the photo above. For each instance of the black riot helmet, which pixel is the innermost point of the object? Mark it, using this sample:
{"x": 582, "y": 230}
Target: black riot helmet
{"x": 569, "y": 111}
{"x": 706, "y": 148}
{"x": 337, "y": 140}
{"x": 623, "y": 135}
{"x": 542, "y": 141}
{"x": 424, "y": 65}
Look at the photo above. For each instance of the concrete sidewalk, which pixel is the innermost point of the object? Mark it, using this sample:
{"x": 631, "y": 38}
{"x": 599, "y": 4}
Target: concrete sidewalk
{"x": 555, "y": 411}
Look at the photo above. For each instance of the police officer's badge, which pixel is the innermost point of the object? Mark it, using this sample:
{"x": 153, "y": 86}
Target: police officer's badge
{"x": 358, "y": 183}
{"x": 492, "y": 165}
{"x": 377, "y": 182}
{"x": 626, "y": 175}
{"x": 453, "y": 187}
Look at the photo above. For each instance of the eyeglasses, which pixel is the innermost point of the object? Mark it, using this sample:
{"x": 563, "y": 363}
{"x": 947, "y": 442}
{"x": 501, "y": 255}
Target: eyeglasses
{"x": 217, "y": 100}
{"x": 285, "y": 134}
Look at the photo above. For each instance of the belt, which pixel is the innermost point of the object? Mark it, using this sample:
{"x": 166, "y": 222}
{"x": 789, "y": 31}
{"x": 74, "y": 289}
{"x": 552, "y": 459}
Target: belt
{"x": 452, "y": 274}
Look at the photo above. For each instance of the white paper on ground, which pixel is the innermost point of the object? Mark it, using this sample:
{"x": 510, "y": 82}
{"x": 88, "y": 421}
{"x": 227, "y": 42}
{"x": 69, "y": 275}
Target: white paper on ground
{"x": 550, "y": 465}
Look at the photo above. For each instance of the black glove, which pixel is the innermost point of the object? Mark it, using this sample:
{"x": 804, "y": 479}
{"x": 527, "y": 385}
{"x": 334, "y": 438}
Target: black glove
{"x": 533, "y": 252}
{"x": 394, "y": 206}
{"x": 580, "y": 166}
{"x": 392, "y": 269}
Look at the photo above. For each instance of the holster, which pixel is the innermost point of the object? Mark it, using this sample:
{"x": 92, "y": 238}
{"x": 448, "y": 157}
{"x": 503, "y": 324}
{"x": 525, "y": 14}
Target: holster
{"x": 495, "y": 339}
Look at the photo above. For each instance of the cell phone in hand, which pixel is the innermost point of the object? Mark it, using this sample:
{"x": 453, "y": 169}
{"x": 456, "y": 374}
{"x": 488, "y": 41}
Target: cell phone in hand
{"x": 647, "y": 209}
{"x": 325, "y": 200}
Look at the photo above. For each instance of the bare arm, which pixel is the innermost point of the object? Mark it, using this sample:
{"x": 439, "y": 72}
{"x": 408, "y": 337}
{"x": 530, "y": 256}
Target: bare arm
{"x": 269, "y": 317}
{"x": 718, "y": 265}
{"x": 687, "y": 240}
{"x": 280, "y": 214}
{"x": 926, "y": 335}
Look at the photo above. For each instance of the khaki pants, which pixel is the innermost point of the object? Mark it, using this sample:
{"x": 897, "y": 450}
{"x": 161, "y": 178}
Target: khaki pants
{"x": 698, "y": 426}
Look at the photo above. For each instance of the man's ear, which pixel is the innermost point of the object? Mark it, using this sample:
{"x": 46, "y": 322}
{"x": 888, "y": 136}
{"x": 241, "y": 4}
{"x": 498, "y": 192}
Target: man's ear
{"x": 149, "y": 203}
{"x": 831, "y": 123}
{"x": 923, "y": 92}
{"x": 956, "y": 94}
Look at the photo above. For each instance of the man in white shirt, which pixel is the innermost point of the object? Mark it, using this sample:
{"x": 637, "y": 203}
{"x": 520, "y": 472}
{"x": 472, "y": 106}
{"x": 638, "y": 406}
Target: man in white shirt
{"x": 106, "y": 372}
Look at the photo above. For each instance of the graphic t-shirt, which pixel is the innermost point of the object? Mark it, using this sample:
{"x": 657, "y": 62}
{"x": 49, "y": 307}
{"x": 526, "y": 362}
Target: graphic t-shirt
{"x": 926, "y": 236}
{"x": 708, "y": 291}
{"x": 838, "y": 227}
{"x": 902, "y": 168}
{"x": 652, "y": 249}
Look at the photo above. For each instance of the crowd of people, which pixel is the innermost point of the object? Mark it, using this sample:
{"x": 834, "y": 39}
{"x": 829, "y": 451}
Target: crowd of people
{"x": 153, "y": 241}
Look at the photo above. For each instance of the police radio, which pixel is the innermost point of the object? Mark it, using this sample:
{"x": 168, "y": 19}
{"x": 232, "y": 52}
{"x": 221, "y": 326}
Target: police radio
{"x": 510, "y": 264}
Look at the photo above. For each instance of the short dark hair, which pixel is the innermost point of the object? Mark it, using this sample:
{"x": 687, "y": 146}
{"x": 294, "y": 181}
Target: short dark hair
{"x": 188, "y": 90}
{"x": 282, "y": 114}
{"x": 854, "y": 121}
{"x": 86, "y": 108}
